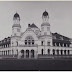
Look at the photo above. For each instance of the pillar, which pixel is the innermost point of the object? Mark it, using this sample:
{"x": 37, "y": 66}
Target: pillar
{"x": 59, "y": 44}
{"x": 63, "y": 52}
{"x": 8, "y": 52}
{"x": 35, "y": 54}
{"x": 24, "y": 54}
{"x": 66, "y": 52}
{"x": 63, "y": 45}
{"x": 59, "y": 52}
{"x": 1, "y": 52}
{"x": 55, "y": 44}
{"x": 55, "y": 52}
{"x": 29, "y": 54}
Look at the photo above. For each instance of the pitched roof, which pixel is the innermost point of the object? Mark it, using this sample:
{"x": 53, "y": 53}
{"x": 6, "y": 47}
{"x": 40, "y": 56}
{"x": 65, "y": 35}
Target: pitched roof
{"x": 33, "y": 26}
{"x": 59, "y": 37}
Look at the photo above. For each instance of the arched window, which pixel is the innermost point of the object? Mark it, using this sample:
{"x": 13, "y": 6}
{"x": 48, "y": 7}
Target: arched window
{"x": 22, "y": 53}
{"x": 32, "y": 42}
{"x": 48, "y": 51}
{"x": 45, "y": 33}
{"x": 27, "y": 53}
{"x": 57, "y": 52}
{"x": 53, "y": 43}
{"x": 53, "y": 52}
{"x": 48, "y": 43}
{"x": 8, "y": 52}
{"x": 65, "y": 52}
{"x": 42, "y": 51}
{"x": 17, "y": 52}
{"x": 42, "y": 43}
{"x": 68, "y": 52}
{"x": 61, "y": 52}
{"x": 64, "y": 45}
{"x": 32, "y": 53}
{"x": 29, "y": 40}
{"x": 48, "y": 28}
{"x": 17, "y": 43}
{"x": 25, "y": 42}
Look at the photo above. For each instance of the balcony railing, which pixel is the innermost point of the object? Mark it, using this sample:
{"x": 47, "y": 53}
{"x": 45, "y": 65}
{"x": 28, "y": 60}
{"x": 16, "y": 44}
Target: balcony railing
{"x": 35, "y": 45}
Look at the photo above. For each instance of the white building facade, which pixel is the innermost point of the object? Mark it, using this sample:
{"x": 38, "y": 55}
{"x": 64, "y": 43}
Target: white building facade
{"x": 34, "y": 43}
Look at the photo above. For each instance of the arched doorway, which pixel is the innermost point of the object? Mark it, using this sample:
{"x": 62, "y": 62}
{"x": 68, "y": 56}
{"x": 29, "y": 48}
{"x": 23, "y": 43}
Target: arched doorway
{"x": 27, "y": 53}
{"x": 22, "y": 53}
{"x": 53, "y": 52}
{"x": 68, "y": 52}
{"x": 32, "y": 53}
{"x": 42, "y": 51}
{"x": 57, "y": 52}
{"x": 61, "y": 52}
{"x": 65, "y": 52}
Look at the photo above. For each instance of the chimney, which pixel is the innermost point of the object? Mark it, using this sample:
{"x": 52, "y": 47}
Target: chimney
{"x": 28, "y": 25}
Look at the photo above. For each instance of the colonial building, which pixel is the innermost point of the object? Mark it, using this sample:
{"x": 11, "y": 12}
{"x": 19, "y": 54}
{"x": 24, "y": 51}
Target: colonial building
{"x": 35, "y": 43}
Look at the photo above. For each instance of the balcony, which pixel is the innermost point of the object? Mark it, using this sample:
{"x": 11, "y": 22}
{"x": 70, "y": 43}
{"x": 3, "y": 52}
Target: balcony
{"x": 35, "y": 45}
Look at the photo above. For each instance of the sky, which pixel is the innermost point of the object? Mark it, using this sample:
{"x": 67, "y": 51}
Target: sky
{"x": 60, "y": 16}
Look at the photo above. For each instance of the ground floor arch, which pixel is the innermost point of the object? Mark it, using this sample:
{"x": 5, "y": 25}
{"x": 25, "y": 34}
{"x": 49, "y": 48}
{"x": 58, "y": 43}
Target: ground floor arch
{"x": 27, "y": 53}
{"x": 22, "y": 53}
{"x": 32, "y": 53}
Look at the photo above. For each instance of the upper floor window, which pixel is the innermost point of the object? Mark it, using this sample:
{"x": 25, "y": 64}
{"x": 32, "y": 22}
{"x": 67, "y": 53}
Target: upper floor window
{"x": 42, "y": 43}
{"x": 48, "y": 28}
{"x": 14, "y": 34}
{"x": 18, "y": 30}
{"x": 29, "y": 40}
{"x": 17, "y": 43}
{"x": 48, "y": 44}
{"x": 45, "y": 33}
{"x": 25, "y": 42}
{"x": 32, "y": 41}
{"x": 42, "y": 28}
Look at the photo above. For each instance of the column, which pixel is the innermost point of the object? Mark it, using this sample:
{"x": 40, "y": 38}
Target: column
{"x": 5, "y": 52}
{"x": 35, "y": 54}
{"x": 55, "y": 52}
{"x": 55, "y": 44}
{"x": 63, "y": 45}
{"x": 1, "y": 52}
{"x": 66, "y": 52}
{"x": 24, "y": 54}
{"x": 9, "y": 52}
{"x": 29, "y": 54}
{"x": 63, "y": 52}
{"x": 59, "y": 52}
{"x": 59, "y": 44}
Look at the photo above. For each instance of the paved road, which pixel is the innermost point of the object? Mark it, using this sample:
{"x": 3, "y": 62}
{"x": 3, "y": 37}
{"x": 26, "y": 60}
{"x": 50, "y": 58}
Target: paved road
{"x": 40, "y": 64}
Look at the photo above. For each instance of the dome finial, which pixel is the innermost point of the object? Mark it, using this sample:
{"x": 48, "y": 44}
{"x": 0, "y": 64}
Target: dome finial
{"x": 16, "y": 15}
{"x": 45, "y": 13}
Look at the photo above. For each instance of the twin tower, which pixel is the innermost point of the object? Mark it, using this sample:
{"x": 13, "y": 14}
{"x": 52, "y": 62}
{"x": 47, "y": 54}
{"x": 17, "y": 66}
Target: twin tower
{"x": 16, "y": 28}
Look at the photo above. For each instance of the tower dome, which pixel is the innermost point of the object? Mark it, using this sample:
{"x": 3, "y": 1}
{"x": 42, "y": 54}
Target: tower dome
{"x": 45, "y": 13}
{"x": 16, "y": 15}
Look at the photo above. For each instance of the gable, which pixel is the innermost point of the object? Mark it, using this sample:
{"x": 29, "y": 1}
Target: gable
{"x": 27, "y": 33}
